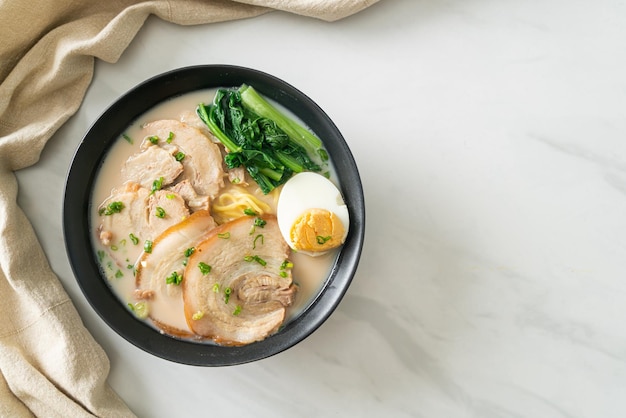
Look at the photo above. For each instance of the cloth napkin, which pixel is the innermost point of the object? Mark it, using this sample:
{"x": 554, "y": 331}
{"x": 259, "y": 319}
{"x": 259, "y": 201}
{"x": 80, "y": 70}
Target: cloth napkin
{"x": 50, "y": 365}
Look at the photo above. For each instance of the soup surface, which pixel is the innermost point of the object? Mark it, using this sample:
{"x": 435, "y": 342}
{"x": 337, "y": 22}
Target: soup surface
{"x": 126, "y": 258}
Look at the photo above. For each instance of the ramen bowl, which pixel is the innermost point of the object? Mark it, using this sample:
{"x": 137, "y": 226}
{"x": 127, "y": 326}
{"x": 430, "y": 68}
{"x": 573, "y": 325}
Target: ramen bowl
{"x": 89, "y": 157}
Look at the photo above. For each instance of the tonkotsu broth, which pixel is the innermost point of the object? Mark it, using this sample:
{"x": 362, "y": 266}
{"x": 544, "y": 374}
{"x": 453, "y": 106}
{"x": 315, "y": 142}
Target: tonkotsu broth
{"x": 309, "y": 273}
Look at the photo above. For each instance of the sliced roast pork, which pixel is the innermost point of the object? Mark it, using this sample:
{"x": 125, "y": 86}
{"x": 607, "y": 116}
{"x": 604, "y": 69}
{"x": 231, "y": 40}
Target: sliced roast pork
{"x": 187, "y": 192}
{"x": 153, "y": 163}
{"x": 134, "y": 215}
{"x": 201, "y": 158}
{"x": 160, "y": 273}
{"x": 236, "y": 288}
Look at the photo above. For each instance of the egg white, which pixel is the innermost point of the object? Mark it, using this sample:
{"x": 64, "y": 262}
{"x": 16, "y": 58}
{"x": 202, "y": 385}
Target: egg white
{"x": 305, "y": 191}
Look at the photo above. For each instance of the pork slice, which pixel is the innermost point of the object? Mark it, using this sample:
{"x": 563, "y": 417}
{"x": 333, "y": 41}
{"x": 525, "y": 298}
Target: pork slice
{"x": 124, "y": 232}
{"x": 151, "y": 164}
{"x": 244, "y": 297}
{"x": 202, "y": 162}
{"x": 168, "y": 256}
{"x": 187, "y": 192}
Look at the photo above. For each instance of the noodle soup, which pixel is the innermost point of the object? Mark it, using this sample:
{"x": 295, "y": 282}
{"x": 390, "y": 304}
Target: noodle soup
{"x": 121, "y": 258}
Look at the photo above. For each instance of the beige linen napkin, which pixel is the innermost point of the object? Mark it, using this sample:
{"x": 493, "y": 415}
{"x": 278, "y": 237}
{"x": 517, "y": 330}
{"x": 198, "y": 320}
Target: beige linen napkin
{"x": 50, "y": 365}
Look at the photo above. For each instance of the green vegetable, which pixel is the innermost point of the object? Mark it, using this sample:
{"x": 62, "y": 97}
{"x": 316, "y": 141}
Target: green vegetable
{"x": 225, "y": 235}
{"x": 179, "y": 156}
{"x": 133, "y": 238}
{"x": 140, "y": 309}
{"x": 157, "y": 184}
{"x": 175, "y": 278}
{"x": 190, "y": 251}
{"x": 111, "y": 208}
{"x": 259, "y": 137}
{"x": 128, "y": 138}
{"x": 256, "y": 258}
{"x": 170, "y": 137}
{"x": 237, "y": 310}
{"x": 322, "y": 240}
{"x": 227, "y": 293}
{"x": 249, "y": 212}
{"x": 154, "y": 139}
{"x": 147, "y": 246}
{"x": 160, "y": 212}
{"x": 255, "y": 240}
{"x": 205, "y": 269}
{"x": 256, "y": 103}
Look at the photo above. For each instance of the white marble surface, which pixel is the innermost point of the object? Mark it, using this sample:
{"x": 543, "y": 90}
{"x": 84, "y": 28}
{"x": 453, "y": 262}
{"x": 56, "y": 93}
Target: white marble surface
{"x": 490, "y": 137}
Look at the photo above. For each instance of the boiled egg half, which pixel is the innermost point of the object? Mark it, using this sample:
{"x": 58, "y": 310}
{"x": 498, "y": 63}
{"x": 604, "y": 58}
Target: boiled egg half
{"x": 312, "y": 215}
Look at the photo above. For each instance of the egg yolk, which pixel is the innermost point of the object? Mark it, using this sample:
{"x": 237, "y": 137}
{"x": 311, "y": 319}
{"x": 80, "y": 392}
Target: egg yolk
{"x": 317, "y": 230}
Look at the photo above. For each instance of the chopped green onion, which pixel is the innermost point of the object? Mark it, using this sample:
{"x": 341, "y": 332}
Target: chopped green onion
{"x": 237, "y": 310}
{"x": 154, "y": 139}
{"x": 175, "y": 278}
{"x": 170, "y": 196}
{"x": 101, "y": 255}
{"x": 286, "y": 265}
{"x": 179, "y": 156}
{"x": 204, "y": 268}
{"x": 322, "y": 240}
{"x": 113, "y": 247}
{"x": 225, "y": 235}
{"x": 249, "y": 212}
{"x": 133, "y": 238}
{"x": 160, "y": 212}
{"x": 216, "y": 287}
{"x": 283, "y": 274}
{"x": 227, "y": 293}
{"x": 127, "y": 138}
{"x": 170, "y": 137}
{"x": 119, "y": 274}
{"x": 197, "y": 316}
{"x": 147, "y": 246}
{"x": 255, "y": 239}
{"x": 190, "y": 251}
{"x": 140, "y": 309}
{"x": 157, "y": 184}
{"x": 111, "y": 208}
{"x": 250, "y": 258}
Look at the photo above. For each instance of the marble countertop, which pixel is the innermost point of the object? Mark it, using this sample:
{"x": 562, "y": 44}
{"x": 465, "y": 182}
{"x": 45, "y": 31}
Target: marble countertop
{"x": 490, "y": 141}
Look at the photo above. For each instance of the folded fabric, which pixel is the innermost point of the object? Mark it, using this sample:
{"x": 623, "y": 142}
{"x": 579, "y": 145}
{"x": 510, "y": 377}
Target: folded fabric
{"x": 50, "y": 364}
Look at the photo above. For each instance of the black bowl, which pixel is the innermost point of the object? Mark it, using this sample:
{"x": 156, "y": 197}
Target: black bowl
{"x": 89, "y": 156}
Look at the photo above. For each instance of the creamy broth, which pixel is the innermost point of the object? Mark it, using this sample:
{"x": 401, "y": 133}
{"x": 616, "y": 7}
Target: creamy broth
{"x": 309, "y": 273}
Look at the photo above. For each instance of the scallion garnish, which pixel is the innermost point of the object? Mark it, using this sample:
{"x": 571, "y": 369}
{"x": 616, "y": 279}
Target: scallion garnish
{"x": 160, "y": 212}
{"x": 322, "y": 240}
{"x": 111, "y": 208}
{"x": 175, "y": 278}
{"x": 157, "y": 184}
{"x": 255, "y": 240}
{"x": 204, "y": 268}
{"x": 250, "y": 258}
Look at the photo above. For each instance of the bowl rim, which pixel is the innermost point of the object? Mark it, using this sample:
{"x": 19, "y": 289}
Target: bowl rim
{"x": 107, "y": 129}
